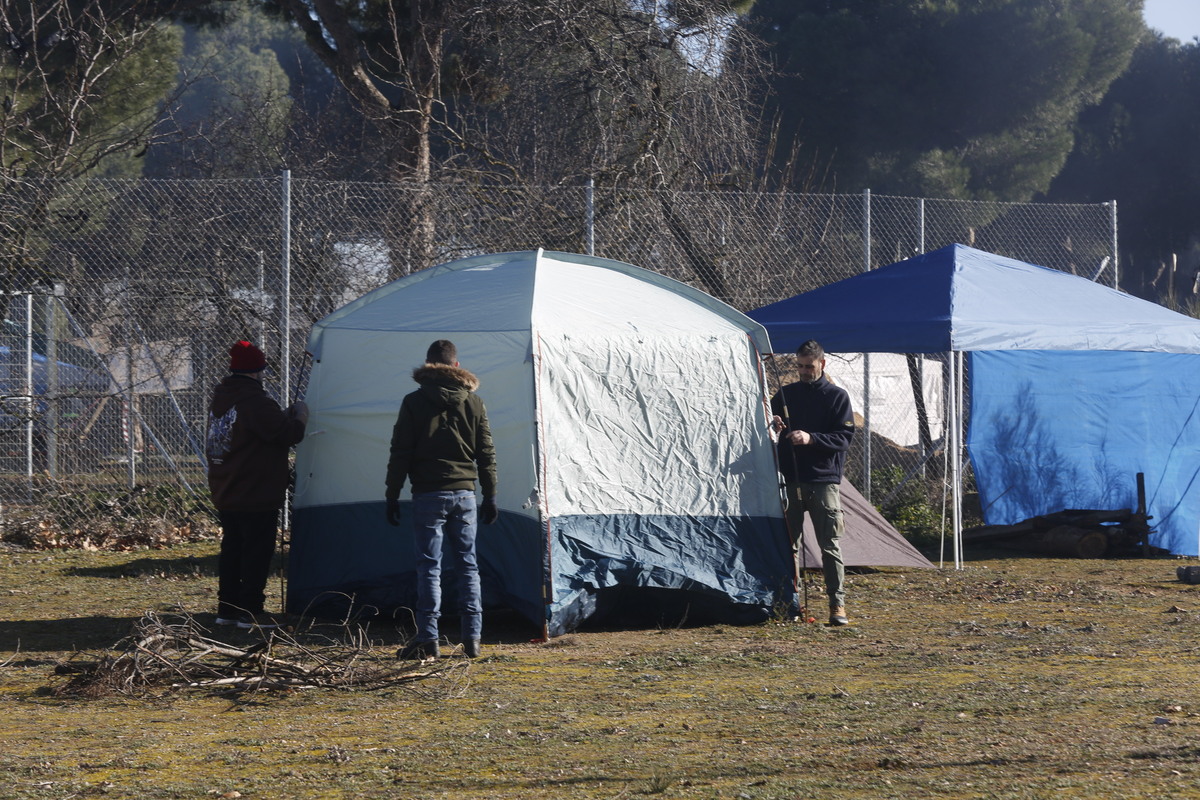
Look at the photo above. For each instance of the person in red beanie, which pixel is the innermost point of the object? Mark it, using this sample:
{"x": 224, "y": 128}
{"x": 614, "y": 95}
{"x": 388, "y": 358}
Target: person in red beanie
{"x": 247, "y": 448}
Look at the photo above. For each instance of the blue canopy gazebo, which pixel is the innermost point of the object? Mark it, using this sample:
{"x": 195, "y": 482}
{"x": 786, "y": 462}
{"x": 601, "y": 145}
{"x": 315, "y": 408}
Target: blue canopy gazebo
{"x": 1075, "y": 387}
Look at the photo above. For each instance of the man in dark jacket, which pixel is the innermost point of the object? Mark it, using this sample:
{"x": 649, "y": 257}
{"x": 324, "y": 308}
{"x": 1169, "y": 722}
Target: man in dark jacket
{"x": 247, "y": 447}
{"x": 815, "y": 424}
{"x": 442, "y": 443}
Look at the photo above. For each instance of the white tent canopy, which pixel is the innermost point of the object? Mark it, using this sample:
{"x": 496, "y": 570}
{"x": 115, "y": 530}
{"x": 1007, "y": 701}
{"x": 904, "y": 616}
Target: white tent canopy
{"x": 631, "y": 428}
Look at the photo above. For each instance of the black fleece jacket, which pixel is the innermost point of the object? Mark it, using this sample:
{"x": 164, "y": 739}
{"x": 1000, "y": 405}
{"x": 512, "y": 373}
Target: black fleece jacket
{"x": 822, "y": 409}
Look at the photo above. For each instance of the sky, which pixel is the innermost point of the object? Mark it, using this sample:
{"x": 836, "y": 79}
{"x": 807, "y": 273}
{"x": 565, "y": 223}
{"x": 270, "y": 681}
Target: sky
{"x": 1179, "y": 19}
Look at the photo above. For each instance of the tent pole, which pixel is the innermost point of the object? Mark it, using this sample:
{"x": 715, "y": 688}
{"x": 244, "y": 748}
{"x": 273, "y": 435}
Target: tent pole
{"x": 947, "y": 453}
{"x": 866, "y": 410}
{"x": 52, "y": 383}
{"x": 866, "y": 414}
{"x": 950, "y": 437}
{"x": 958, "y": 448}
{"x": 952, "y": 444}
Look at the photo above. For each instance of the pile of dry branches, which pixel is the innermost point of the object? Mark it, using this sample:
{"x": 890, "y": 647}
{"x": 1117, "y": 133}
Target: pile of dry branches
{"x": 174, "y": 653}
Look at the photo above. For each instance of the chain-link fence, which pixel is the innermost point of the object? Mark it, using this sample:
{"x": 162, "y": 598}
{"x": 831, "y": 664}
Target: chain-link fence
{"x": 123, "y": 297}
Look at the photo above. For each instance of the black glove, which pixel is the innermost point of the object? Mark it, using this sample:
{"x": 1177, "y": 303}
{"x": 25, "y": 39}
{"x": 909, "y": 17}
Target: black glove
{"x": 393, "y": 512}
{"x": 488, "y": 513}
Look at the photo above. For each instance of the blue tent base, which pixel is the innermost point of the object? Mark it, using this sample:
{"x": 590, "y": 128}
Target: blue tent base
{"x": 632, "y": 607}
{"x": 346, "y": 562}
{"x": 394, "y": 598}
{"x": 623, "y": 607}
{"x": 649, "y": 607}
{"x": 393, "y": 602}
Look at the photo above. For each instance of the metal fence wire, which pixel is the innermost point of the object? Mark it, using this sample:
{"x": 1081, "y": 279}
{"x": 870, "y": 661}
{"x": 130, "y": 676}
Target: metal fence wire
{"x": 124, "y": 296}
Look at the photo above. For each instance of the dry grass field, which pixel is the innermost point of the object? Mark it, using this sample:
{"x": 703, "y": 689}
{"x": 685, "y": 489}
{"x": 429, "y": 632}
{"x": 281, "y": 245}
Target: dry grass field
{"x": 1011, "y": 678}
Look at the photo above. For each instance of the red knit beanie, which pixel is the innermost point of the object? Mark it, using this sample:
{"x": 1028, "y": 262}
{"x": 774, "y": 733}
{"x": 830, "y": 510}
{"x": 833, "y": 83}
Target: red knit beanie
{"x": 245, "y": 357}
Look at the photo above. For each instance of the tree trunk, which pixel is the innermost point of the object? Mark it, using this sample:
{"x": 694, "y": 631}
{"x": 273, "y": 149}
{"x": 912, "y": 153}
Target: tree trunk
{"x": 918, "y": 389}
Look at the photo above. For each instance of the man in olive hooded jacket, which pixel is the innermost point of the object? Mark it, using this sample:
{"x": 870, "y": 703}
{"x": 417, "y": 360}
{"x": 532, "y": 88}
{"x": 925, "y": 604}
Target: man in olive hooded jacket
{"x": 442, "y": 444}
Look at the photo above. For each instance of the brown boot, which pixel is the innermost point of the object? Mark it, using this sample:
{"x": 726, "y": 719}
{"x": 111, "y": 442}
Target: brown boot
{"x": 837, "y": 617}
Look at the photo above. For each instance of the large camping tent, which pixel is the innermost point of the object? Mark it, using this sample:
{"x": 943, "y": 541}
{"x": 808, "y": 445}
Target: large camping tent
{"x": 632, "y": 437}
{"x": 1075, "y": 387}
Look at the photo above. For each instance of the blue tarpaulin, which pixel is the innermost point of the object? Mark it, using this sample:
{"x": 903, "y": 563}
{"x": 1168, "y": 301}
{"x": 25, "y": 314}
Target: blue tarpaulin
{"x": 1058, "y": 430}
{"x": 1075, "y": 387}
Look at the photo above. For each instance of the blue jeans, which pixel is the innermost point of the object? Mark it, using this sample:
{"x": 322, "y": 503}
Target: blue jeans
{"x": 446, "y": 519}
{"x": 823, "y": 502}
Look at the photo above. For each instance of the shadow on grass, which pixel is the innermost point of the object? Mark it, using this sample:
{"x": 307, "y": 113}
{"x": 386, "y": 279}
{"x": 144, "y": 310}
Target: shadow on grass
{"x": 97, "y": 633}
{"x": 186, "y": 567}
{"x": 94, "y": 634}
{"x": 63, "y": 635}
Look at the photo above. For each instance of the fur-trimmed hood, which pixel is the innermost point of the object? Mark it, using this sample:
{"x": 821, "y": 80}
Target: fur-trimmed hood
{"x": 445, "y": 385}
{"x": 445, "y": 375}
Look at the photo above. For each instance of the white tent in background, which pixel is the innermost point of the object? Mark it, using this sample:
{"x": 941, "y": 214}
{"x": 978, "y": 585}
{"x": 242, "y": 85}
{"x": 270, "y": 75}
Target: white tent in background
{"x": 886, "y": 381}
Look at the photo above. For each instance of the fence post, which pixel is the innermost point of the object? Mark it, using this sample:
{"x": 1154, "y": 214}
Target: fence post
{"x": 920, "y": 226}
{"x": 52, "y": 382}
{"x": 285, "y": 336}
{"x": 1116, "y": 262}
{"x": 867, "y": 356}
{"x": 260, "y": 300}
{"x": 130, "y": 429}
{"x": 285, "y": 301}
{"x": 589, "y": 196}
{"x": 30, "y": 388}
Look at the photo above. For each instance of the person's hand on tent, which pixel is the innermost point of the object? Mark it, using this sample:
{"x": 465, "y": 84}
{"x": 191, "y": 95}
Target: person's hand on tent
{"x": 299, "y": 410}
{"x": 488, "y": 512}
{"x": 777, "y": 428}
{"x": 393, "y": 512}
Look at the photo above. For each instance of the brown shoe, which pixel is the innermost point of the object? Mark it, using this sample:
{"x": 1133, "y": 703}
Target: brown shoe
{"x": 837, "y": 617}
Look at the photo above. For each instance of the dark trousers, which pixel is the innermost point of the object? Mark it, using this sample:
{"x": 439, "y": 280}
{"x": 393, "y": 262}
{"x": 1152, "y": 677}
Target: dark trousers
{"x": 247, "y": 545}
{"x": 823, "y": 502}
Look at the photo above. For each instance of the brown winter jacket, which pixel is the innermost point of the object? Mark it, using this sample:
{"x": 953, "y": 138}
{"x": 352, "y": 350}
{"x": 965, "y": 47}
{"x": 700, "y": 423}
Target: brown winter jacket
{"x": 247, "y": 446}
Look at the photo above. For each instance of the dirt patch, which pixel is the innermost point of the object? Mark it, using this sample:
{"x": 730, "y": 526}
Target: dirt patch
{"x": 1011, "y": 678}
